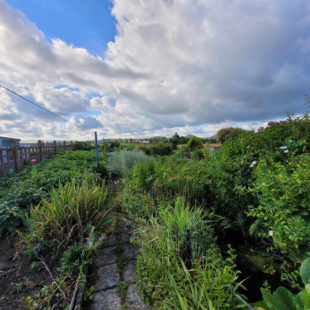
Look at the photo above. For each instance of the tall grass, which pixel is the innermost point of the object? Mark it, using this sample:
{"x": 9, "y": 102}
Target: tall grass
{"x": 180, "y": 266}
{"x": 72, "y": 211}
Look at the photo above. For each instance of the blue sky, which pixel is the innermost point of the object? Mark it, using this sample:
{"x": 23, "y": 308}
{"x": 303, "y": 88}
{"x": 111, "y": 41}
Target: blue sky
{"x": 87, "y": 24}
{"x": 190, "y": 66}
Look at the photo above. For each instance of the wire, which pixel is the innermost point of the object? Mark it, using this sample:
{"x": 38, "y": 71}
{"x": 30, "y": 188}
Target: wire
{"x": 44, "y": 109}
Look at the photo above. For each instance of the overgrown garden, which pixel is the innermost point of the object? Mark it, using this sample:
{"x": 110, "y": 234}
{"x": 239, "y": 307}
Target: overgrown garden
{"x": 215, "y": 230}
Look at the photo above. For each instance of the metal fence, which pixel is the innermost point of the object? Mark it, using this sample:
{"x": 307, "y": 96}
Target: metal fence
{"x": 13, "y": 159}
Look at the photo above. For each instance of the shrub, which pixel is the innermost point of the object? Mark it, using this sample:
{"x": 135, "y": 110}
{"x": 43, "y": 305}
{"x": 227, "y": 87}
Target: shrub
{"x": 121, "y": 161}
{"x": 161, "y": 149}
{"x": 82, "y": 145}
{"x": 283, "y": 192}
{"x": 194, "y": 143}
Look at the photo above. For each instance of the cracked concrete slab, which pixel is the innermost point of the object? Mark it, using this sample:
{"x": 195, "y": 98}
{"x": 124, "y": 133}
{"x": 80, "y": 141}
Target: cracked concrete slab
{"x": 108, "y": 277}
{"x": 106, "y": 300}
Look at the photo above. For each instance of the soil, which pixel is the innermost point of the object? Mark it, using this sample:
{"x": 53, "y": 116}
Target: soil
{"x": 17, "y": 279}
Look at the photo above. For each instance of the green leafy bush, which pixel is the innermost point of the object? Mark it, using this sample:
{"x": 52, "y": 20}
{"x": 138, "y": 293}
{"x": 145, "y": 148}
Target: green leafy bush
{"x": 82, "y": 145}
{"x": 194, "y": 143}
{"x": 161, "y": 149}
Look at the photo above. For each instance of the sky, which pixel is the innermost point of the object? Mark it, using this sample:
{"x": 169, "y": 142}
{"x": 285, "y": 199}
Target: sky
{"x": 150, "y": 67}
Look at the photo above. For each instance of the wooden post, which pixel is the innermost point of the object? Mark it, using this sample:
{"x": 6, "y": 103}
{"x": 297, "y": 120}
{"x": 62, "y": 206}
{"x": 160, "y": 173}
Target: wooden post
{"x": 40, "y": 149}
{"x": 55, "y": 147}
{"x": 65, "y": 145}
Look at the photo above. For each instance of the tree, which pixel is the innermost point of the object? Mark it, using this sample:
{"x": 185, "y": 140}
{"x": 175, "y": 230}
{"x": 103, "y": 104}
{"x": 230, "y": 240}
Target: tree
{"x": 175, "y": 140}
{"x": 227, "y": 133}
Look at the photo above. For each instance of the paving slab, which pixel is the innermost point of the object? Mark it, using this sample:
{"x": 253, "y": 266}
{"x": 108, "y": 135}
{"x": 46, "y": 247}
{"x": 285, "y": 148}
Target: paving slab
{"x": 108, "y": 277}
{"x": 106, "y": 256}
{"x": 106, "y": 300}
{"x": 124, "y": 238}
{"x": 110, "y": 241}
{"x": 129, "y": 252}
{"x": 129, "y": 272}
{"x": 134, "y": 300}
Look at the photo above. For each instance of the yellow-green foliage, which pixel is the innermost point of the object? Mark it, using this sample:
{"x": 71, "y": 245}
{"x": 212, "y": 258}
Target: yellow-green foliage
{"x": 71, "y": 212}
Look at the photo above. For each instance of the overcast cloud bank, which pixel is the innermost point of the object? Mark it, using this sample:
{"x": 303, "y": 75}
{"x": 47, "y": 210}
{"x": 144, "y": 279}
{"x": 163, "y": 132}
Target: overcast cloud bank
{"x": 190, "y": 66}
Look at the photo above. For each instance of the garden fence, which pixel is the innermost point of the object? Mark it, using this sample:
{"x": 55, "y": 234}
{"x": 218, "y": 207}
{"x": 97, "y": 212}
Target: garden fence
{"x": 13, "y": 159}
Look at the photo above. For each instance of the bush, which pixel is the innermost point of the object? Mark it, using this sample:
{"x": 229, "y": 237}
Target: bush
{"x": 121, "y": 161}
{"x": 194, "y": 143}
{"x": 161, "y": 149}
{"x": 82, "y": 145}
{"x": 283, "y": 192}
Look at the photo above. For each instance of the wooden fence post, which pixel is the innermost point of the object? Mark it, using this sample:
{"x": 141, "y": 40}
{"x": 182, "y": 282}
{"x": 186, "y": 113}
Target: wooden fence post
{"x": 40, "y": 149}
{"x": 65, "y": 145}
{"x": 55, "y": 147}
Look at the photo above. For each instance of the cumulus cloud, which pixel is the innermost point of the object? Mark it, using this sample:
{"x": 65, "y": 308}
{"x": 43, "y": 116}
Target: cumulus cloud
{"x": 187, "y": 66}
{"x": 60, "y": 99}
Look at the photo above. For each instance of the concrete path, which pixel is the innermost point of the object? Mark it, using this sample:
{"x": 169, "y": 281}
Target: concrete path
{"x": 114, "y": 275}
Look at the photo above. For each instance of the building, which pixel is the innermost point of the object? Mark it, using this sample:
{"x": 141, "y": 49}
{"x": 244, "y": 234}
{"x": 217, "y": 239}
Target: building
{"x": 6, "y": 143}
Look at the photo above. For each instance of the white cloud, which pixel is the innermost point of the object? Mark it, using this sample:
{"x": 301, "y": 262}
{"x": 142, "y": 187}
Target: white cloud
{"x": 186, "y": 66}
{"x": 60, "y": 99}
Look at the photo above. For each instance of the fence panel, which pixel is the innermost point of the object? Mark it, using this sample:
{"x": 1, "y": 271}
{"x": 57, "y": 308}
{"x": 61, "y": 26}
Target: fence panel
{"x": 13, "y": 159}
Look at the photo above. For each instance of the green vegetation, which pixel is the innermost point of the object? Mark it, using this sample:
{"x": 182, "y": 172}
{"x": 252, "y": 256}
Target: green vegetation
{"x": 200, "y": 218}
{"x": 180, "y": 265}
{"x": 73, "y": 212}
{"x": 65, "y": 208}
{"x": 121, "y": 161}
{"x": 255, "y": 193}
{"x": 282, "y": 298}
{"x": 194, "y": 143}
{"x": 19, "y": 191}
{"x": 228, "y": 133}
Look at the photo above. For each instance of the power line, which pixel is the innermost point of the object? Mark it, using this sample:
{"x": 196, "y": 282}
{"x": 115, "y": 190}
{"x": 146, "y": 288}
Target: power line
{"x": 44, "y": 109}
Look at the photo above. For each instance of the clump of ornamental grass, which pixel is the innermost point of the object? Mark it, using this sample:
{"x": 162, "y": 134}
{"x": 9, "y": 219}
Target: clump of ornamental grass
{"x": 69, "y": 215}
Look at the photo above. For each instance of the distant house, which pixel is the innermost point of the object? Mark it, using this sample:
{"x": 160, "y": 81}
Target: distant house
{"x": 6, "y": 143}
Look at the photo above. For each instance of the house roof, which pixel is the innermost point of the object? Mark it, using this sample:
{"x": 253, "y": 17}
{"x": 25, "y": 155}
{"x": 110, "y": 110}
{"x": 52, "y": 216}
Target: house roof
{"x": 12, "y": 139}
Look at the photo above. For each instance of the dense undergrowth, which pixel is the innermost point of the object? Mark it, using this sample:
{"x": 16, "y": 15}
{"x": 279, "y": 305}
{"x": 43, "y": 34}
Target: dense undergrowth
{"x": 255, "y": 195}
{"x": 204, "y": 220}
{"x": 62, "y": 207}
{"x": 19, "y": 191}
